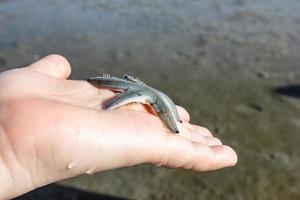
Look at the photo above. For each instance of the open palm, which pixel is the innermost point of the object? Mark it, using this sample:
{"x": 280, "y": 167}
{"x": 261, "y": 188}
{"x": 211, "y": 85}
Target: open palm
{"x": 53, "y": 128}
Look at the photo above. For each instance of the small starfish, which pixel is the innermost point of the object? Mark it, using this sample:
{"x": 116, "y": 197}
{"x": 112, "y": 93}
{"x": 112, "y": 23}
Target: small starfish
{"x": 135, "y": 91}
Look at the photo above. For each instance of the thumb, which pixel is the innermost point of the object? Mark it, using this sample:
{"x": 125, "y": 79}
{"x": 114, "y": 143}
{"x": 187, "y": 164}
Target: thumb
{"x": 53, "y": 65}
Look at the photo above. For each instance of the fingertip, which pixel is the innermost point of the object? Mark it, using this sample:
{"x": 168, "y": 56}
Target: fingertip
{"x": 53, "y": 65}
{"x": 62, "y": 63}
{"x": 183, "y": 113}
{"x": 225, "y": 156}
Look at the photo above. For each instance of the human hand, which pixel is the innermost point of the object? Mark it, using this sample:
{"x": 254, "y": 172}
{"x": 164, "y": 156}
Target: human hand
{"x": 53, "y": 128}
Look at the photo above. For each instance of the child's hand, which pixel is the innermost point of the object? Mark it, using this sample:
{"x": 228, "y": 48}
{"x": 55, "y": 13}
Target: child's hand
{"x": 53, "y": 129}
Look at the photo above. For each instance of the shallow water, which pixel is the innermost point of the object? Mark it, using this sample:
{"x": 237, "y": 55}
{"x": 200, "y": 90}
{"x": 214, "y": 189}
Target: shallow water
{"x": 107, "y": 35}
{"x": 222, "y": 60}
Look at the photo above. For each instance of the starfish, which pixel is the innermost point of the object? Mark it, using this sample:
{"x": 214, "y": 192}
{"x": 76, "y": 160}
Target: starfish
{"x": 134, "y": 90}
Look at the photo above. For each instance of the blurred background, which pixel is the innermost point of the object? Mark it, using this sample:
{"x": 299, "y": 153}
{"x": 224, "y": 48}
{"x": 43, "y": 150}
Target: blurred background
{"x": 234, "y": 64}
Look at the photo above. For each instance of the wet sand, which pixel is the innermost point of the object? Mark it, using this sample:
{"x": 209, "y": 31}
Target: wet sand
{"x": 233, "y": 64}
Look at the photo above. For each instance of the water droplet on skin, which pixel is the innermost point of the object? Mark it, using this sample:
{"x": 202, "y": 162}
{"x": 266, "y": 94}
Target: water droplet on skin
{"x": 72, "y": 164}
{"x": 90, "y": 171}
{"x": 158, "y": 165}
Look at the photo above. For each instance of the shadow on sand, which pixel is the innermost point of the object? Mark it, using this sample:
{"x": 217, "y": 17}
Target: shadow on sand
{"x": 288, "y": 90}
{"x": 55, "y": 191}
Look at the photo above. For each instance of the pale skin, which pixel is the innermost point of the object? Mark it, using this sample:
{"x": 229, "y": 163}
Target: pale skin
{"x": 52, "y": 129}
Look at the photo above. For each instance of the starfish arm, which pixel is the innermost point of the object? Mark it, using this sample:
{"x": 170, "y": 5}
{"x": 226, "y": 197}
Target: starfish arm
{"x": 166, "y": 117}
{"x": 166, "y": 111}
{"x": 134, "y": 80}
{"x": 130, "y": 96}
{"x": 172, "y": 107}
{"x": 112, "y": 83}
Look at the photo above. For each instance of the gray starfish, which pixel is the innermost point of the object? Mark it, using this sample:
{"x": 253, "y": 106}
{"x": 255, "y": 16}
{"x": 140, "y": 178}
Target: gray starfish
{"x": 135, "y": 91}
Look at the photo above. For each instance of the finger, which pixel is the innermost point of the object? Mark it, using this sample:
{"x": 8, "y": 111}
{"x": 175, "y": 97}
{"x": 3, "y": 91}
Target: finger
{"x": 224, "y": 155}
{"x": 53, "y": 65}
{"x": 183, "y": 113}
{"x": 202, "y": 130}
{"x": 195, "y": 136}
{"x": 198, "y": 129}
{"x": 213, "y": 141}
{"x": 180, "y": 153}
